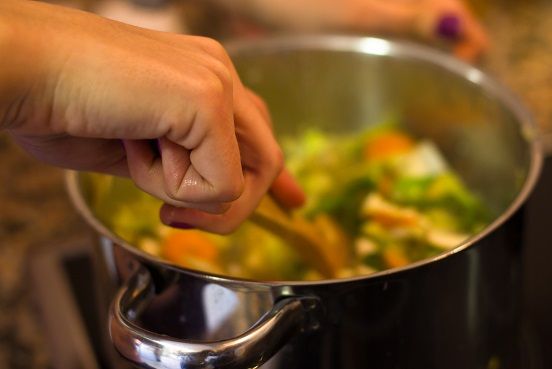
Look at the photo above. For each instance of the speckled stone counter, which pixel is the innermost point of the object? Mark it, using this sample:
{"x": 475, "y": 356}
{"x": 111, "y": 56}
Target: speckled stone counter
{"x": 35, "y": 211}
{"x": 521, "y": 55}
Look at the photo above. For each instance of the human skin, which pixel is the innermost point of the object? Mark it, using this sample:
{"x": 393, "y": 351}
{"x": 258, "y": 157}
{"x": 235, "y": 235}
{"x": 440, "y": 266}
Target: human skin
{"x": 418, "y": 18}
{"x": 169, "y": 111}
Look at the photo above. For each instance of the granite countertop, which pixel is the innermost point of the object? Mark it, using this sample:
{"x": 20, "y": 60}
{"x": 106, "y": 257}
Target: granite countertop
{"x": 521, "y": 55}
{"x": 35, "y": 211}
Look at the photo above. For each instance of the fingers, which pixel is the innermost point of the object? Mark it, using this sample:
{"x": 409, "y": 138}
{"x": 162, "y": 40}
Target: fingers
{"x": 287, "y": 191}
{"x": 117, "y": 164}
{"x": 179, "y": 91}
{"x": 146, "y": 170}
{"x": 474, "y": 42}
{"x": 198, "y": 162}
{"x": 108, "y": 156}
{"x": 215, "y": 155}
{"x": 284, "y": 189}
{"x": 224, "y": 223}
{"x": 451, "y": 21}
{"x": 433, "y": 20}
{"x": 261, "y": 160}
{"x": 201, "y": 170}
{"x": 171, "y": 175}
{"x": 260, "y": 104}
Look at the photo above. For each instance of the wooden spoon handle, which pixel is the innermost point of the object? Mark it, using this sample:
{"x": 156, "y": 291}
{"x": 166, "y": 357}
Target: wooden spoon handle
{"x": 296, "y": 232}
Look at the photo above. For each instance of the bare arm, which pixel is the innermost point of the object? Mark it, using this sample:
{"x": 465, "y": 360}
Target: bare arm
{"x": 84, "y": 92}
{"x": 433, "y": 20}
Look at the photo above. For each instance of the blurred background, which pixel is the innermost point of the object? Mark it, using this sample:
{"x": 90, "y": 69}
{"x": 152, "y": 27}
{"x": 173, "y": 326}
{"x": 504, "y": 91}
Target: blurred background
{"x": 36, "y": 216}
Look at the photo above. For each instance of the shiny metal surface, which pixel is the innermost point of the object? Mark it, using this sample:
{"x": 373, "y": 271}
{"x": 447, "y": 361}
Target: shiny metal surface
{"x": 457, "y": 310}
{"x": 152, "y": 350}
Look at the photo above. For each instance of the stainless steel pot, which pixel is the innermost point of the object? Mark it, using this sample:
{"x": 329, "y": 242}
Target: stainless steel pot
{"x": 457, "y": 310}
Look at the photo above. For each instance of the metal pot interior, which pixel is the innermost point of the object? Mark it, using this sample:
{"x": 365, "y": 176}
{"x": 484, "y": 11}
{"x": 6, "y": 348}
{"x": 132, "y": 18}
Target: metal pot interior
{"x": 346, "y": 84}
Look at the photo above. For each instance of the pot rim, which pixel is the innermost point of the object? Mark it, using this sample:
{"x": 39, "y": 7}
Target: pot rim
{"x": 373, "y": 46}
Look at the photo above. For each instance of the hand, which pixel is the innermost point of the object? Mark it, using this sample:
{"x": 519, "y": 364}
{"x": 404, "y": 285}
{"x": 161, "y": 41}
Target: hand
{"x": 87, "y": 93}
{"x": 433, "y": 20}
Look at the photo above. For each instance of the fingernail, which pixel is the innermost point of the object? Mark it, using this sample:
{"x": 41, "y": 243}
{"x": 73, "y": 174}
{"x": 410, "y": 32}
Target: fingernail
{"x": 181, "y": 225}
{"x": 448, "y": 27}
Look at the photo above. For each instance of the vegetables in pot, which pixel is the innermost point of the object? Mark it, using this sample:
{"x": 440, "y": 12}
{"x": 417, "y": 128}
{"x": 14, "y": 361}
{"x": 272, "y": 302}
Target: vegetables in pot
{"x": 393, "y": 196}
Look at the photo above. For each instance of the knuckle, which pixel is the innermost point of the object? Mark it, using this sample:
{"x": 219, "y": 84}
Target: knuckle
{"x": 223, "y": 73}
{"x": 226, "y": 227}
{"x": 214, "y": 208}
{"x": 215, "y": 48}
{"x": 231, "y": 191}
{"x": 275, "y": 159}
{"x": 175, "y": 194}
{"x": 261, "y": 104}
{"x": 172, "y": 194}
{"x": 214, "y": 84}
{"x": 171, "y": 120}
{"x": 210, "y": 88}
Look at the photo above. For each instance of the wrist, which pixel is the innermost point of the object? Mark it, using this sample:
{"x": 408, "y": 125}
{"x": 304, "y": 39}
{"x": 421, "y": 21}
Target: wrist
{"x": 20, "y": 64}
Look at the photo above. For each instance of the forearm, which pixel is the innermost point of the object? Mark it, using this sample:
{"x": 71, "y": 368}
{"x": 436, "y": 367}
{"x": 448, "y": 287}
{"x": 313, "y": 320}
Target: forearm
{"x": 287, "y": 14}
{"x": 432, "y": 20}
{"x": 312, "y": 15}
{"x": 37, "y": 45}
{"x": 23, "y": 65}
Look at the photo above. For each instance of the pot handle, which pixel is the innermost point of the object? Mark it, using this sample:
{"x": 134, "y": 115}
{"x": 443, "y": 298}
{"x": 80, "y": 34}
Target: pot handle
{"x": 147, "y": 349}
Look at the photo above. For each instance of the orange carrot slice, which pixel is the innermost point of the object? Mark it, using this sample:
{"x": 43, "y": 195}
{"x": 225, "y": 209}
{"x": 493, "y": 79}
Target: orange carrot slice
{"x": 178, "y": 246}
{"x": 387, "y": 144}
